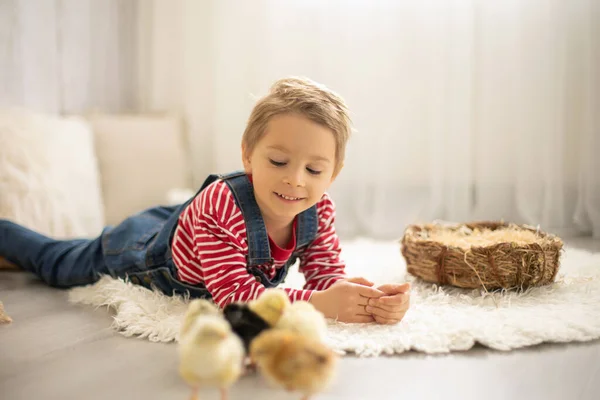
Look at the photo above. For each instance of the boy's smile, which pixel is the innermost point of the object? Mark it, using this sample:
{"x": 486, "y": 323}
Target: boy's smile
{"x": 288, "y": 198}
{"x": 292, "y": 165}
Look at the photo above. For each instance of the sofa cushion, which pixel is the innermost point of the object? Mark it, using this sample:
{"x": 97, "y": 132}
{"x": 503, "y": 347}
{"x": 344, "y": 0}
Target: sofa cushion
{"x": 141, "y": 157}
{"x": 49, "y": 174}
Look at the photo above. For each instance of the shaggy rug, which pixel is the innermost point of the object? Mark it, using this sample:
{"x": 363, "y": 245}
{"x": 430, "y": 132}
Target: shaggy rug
{"x": 440, "y": 319}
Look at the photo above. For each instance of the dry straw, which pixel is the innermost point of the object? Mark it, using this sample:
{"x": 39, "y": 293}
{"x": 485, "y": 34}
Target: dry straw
{"x": 489, "y": 255}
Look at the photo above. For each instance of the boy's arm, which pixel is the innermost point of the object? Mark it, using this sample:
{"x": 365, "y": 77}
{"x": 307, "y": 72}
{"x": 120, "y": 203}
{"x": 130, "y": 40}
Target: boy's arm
{"x": 224, "y": 271}
{"x": 320, "y": 262}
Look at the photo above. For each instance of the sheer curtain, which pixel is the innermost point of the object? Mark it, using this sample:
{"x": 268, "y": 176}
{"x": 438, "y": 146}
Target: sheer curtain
{"x": 68, "y": 55}
{"x": 463, "y": 109}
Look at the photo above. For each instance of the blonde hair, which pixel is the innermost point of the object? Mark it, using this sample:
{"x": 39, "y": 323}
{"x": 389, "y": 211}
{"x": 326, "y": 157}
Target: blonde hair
{"x": 307, "y": 98}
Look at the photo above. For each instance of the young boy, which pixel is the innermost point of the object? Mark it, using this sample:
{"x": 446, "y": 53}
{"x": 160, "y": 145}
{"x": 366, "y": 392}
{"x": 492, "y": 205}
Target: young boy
{"x": 241, "y": 232}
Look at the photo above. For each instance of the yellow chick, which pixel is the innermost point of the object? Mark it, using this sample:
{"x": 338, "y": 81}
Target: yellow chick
{"x": 4, "y": 318}
{"x": 303, "y": 318}
{"x": 210, "y": 354}
{"x": 270, "y": 305}
{"x": 195, "y": 308}
{"x": 294, "y": 362}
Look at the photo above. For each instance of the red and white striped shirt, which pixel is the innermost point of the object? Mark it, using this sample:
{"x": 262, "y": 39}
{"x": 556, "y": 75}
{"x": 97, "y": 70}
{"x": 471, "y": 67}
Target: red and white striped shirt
{"x": 209, "y": 247}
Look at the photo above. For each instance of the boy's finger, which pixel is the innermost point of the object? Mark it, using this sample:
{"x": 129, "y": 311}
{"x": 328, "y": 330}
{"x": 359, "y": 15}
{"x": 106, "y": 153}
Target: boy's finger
{"x": 397, "y": 299}
{"x": 392, "y": 288}
{"x": 389, "y": 308}
{"x": 381, "y": 313}
{"x": 385, "y": 321}
{"x": 360, "y": 281}
{"x": 362, "y": 319}
{"x": 367, "y": 291}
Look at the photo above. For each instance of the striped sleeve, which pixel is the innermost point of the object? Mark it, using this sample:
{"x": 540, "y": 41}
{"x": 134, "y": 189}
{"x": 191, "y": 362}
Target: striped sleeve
{"x": 219, "y": 239}
{"x": 320, "y": 262}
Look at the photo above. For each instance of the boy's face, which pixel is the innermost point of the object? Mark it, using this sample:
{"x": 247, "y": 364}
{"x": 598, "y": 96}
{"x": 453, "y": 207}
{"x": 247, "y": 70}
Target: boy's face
{"x": 292, "y": 165}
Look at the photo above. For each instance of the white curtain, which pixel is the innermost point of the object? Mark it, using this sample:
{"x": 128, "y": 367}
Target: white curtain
{"x": 464, "y": 109}
{"x": 67, "y": 56}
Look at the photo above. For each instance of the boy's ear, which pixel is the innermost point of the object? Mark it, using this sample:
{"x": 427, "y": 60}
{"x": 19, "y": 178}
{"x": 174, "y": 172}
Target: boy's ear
{"x": 335, "y": 174}
{"x": 246, "y": 160}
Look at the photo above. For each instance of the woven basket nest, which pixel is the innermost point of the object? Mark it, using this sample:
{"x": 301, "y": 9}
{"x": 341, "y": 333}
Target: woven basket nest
{"x": 489, "y": 255}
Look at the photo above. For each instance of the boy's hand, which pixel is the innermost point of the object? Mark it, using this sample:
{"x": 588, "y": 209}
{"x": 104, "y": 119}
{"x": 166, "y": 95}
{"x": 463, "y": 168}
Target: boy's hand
{"x": 346, "y": 301}
{"x": 391, "y": 308}
{"x": 360, "y": 280}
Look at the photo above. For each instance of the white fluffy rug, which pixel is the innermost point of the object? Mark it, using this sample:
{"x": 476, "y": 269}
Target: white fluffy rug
{"x": 440, "y": 319}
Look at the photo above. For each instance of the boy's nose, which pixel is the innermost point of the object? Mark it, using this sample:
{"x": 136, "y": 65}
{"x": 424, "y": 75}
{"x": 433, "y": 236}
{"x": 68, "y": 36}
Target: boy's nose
{"x": 295, "y": 179}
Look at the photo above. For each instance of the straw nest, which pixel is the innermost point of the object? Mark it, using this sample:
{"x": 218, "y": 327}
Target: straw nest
{"x": 488, "y": 255}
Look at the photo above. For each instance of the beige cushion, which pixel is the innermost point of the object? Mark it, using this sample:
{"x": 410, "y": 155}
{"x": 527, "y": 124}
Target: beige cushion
{"x": 49, "y": 174}
{"x": 141, "y": 158}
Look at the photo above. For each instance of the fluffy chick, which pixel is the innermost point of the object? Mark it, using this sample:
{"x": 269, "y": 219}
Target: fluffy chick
{"x": 249, "y": 320}
{"x": 270, "y": 305}
{"x": 244, "y": 322}
{"x": 210, "y": 354}
{"x": 4, "y": 318}
{"x": 294, "y": 362}
{"x": 196, "y": 308}
{"x": 303, "y": 318}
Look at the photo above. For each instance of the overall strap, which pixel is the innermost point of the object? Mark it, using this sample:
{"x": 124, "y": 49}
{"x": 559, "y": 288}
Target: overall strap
{"x": 210, "y": 179}
{"x": 306, "y": 227}
{"x": 167, "y": 234}
{"x": 259, "y": 251}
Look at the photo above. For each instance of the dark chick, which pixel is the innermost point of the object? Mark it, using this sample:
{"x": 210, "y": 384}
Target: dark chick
{"x": 244, "y": 322}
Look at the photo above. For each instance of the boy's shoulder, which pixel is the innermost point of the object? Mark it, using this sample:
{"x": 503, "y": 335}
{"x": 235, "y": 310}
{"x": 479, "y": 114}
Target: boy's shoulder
{"x": 326, "y": 201}
{"x": 325, "y": 207}
{"x": 215, "y": 200}
{"x": 216, "y": 190}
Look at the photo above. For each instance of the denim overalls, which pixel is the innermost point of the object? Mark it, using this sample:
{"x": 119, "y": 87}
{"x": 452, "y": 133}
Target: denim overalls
{"x": 139, "y": 248}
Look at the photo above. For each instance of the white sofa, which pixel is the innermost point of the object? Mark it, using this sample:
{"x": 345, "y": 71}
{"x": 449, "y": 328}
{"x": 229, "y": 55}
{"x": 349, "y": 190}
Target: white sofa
{"x": 70, "y": 176}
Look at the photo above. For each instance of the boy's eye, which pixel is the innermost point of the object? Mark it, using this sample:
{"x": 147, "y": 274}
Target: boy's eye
{"x": 277, "y": 163}
{"x": 313, "y": 171}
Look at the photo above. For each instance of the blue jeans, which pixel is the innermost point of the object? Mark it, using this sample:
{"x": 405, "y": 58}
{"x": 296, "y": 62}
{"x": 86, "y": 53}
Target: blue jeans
{"x": 139, "y": 248}
{"x": 130, "y": 250}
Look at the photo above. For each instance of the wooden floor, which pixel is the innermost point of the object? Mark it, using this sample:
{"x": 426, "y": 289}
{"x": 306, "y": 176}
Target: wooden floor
{"x": 55, "y": 350}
